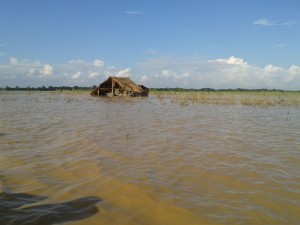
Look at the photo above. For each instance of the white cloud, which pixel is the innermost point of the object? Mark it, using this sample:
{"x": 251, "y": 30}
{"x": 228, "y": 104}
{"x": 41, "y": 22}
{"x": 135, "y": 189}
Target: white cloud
{"x": 98, "y": 63}
{"x": 293, "y": 74}
{"x": 93, "y": 74}
{"x": 185, "y": 75}
{"x": 13, "y": 61}
{"x": 144, "y": 79}
{"x": 262, "y": 22}
{"x": 294, "y": 70}
{"x": 36, "y": 73}
{"x": 77, "y": 61}
{"x": 26, "y": 68}
{"x": 167, "y": 76}
{"x": 76, "y": 76}
{"x": 31, "y": 72}
{"x": 288, "y": 23}
{"x": 221, "y": 73}
{"x": 83, "y": 65}
{"x": 161, "y": 71}
{"x": 134, "y": 12}
{"x": 273, "y": 69}
{"x": 265, "y": 22}
{"x": 124, "y": 73}
{"x": 166, "y": 73}
{"x": 232, "y": 61}
{"x": 111, "y": 67}
{"x": 47, "y": 70}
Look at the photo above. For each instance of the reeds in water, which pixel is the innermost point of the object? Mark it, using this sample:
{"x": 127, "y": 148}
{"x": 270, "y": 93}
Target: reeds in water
{"x": 250, "y": 98}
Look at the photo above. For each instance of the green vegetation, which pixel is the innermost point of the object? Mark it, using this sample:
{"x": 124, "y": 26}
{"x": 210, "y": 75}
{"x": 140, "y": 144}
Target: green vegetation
{"x": 259, "y": 97}
{"x": 184, "y": 97}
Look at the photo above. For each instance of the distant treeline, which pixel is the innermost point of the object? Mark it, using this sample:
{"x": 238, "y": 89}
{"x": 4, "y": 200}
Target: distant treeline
{"x": 49, "y": 88}
{"x": 214, "y": 90}
{"x": 62, "y": 88}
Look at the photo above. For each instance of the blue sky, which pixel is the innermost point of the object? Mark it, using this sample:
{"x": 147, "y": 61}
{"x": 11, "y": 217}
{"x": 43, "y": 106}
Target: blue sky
{"x": 170, "y": 43}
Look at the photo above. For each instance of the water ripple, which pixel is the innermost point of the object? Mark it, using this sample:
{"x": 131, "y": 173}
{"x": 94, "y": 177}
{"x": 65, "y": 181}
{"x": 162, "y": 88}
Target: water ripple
{"x": 154, "y": 162}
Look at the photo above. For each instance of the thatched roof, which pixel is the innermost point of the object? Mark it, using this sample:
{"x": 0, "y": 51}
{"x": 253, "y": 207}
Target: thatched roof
{"x": 123, "y": 85}
{"x": 121, "y": 82}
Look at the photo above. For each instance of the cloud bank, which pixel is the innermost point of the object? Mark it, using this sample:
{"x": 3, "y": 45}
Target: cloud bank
{"x": 21, "y": 72}
{"x": 220, "y": 73}
{"x": 158, "y": 71}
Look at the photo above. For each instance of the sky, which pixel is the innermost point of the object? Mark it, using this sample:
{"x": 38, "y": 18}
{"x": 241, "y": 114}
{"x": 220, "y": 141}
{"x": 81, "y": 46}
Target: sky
{"x": 159, "y": 43}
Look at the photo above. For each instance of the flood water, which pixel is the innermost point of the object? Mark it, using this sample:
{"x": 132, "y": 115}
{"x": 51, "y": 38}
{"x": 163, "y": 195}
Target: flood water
{"x": 146, "y": 161}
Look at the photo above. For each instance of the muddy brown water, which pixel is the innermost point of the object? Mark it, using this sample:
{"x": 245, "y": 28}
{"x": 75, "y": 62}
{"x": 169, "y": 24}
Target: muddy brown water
{"x": 147, "y": 161}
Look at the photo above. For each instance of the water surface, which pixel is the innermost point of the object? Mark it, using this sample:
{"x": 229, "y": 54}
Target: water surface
{"x": 151, "y": 161}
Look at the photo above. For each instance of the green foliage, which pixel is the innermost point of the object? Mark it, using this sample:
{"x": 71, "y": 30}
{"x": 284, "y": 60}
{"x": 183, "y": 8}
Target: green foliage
{"x": 50, "y": 88}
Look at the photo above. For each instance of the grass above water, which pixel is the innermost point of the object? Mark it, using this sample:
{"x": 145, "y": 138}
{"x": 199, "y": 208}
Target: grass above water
{"x": 184, "y": 98}
{"x": 250, "y": 98}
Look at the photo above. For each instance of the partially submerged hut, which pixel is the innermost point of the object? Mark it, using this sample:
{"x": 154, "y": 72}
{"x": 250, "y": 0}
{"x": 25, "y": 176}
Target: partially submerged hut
{"x": 145, "y": 90}
{"x": 120, "y": 86}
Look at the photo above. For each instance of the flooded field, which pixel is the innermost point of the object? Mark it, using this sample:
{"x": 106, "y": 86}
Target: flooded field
{"x": 76, "y": 159}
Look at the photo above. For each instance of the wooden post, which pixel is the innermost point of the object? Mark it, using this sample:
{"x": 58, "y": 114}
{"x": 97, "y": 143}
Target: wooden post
{"x": 112, "y": 86}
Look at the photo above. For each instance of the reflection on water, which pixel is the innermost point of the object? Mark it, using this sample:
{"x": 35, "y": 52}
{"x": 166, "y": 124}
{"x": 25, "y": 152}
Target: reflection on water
{"x": 47, "y": 214}
{"x": 151, "y": 161}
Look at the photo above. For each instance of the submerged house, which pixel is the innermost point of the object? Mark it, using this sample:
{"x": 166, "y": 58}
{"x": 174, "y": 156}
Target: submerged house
{"x": 120, "y": 86}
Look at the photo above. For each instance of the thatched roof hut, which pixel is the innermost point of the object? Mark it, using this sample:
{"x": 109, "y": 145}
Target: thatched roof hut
{"x": 120, "y": 86}
{"x": 145, "y": 90}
